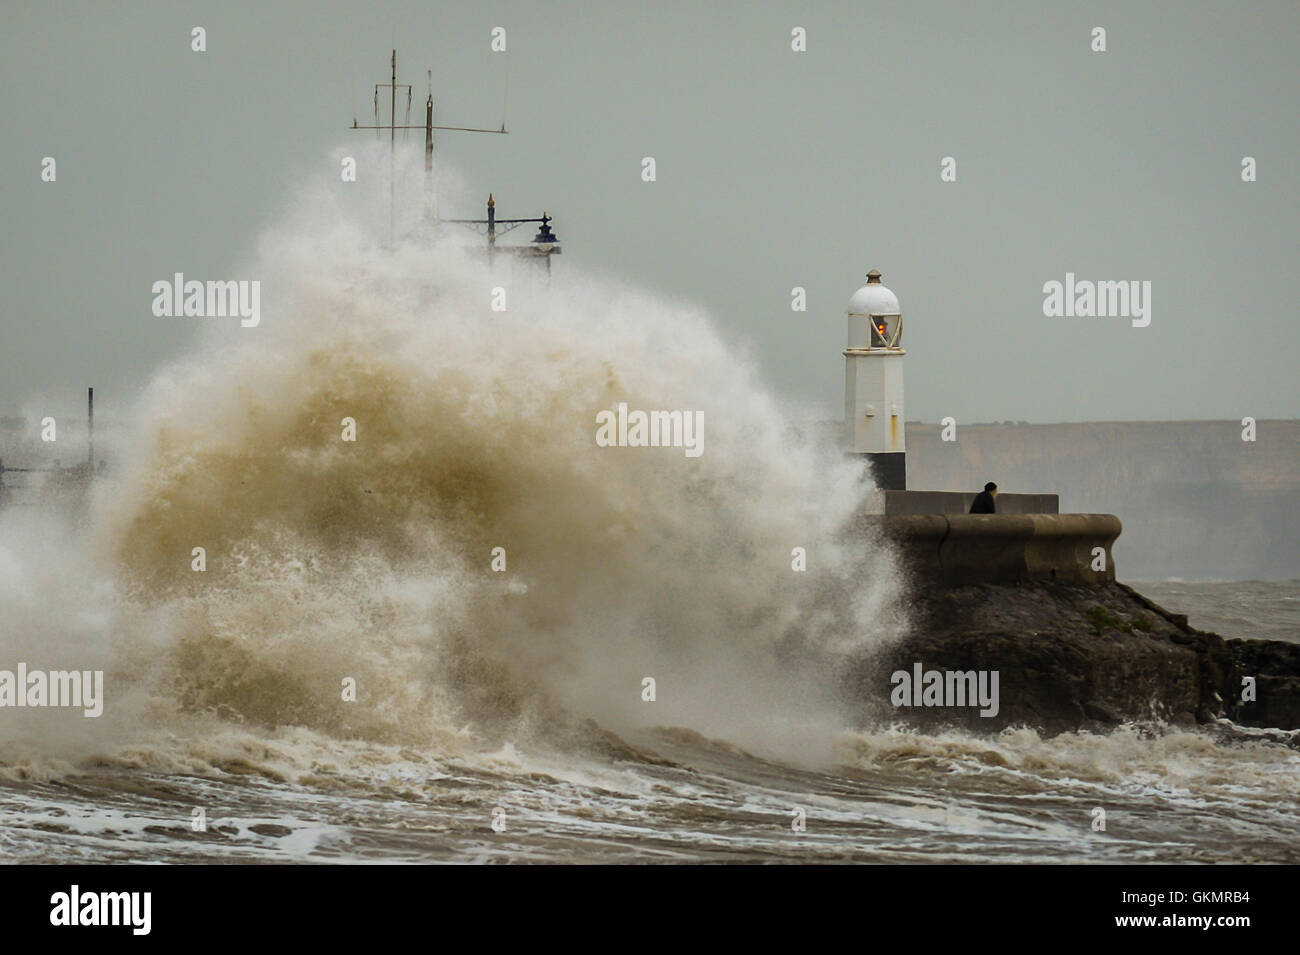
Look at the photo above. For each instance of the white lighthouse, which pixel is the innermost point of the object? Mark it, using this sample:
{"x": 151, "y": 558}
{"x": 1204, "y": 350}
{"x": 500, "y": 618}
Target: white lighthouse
{"x": 873, "y": 383}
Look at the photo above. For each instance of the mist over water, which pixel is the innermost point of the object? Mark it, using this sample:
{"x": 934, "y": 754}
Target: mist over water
{"x": 370, "y": 560}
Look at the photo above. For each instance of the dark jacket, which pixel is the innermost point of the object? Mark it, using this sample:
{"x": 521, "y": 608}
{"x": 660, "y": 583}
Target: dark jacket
{"x": 983, "y": 504}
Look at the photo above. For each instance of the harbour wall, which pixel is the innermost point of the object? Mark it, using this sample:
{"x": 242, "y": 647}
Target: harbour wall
{"x": 955, "y": 550}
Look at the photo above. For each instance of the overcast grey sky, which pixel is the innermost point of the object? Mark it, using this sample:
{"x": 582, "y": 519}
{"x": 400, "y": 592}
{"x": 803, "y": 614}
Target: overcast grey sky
{"x": 775, "y": 169}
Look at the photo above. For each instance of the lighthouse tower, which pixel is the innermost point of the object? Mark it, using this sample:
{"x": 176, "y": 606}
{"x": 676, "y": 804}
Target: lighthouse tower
{"x": 873, "y": 383}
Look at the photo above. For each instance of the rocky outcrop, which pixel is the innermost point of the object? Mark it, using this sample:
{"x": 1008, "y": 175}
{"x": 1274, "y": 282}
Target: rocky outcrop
{"x": 1072, "y": 657}
{"x": 1276, "y": 668}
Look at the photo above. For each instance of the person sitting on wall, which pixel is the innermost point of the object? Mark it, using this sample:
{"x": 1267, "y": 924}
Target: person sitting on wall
{"x": 983, "y": 503}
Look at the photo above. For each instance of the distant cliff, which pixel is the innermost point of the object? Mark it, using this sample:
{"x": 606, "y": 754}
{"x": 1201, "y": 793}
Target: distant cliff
{"x": 1195, "y": 500}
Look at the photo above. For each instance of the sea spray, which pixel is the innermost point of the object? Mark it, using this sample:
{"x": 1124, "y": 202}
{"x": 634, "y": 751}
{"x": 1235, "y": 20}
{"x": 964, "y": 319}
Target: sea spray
{"x": 331, "y": 563}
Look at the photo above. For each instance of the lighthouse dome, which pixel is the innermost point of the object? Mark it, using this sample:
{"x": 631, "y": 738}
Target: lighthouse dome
{"x": 874, "y": 298}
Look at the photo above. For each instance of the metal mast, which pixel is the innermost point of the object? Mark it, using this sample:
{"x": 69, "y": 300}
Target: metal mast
{"x": 430, "y": 213}
{"x": 430, "y": 205}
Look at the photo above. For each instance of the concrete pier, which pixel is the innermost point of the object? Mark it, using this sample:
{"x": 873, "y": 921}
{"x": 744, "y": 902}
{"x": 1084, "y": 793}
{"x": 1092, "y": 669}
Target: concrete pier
{"x": 955, "y": 550}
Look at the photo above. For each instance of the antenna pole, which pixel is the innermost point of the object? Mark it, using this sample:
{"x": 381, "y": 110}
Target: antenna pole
{"x": 392, "y": 157}
{"x": 90, "y": 426}
{"x": 430, "y": 212}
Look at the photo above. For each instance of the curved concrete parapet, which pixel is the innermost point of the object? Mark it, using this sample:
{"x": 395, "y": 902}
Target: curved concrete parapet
{"x": 961, "y": 549}
{"x": 1068, "y": 541}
